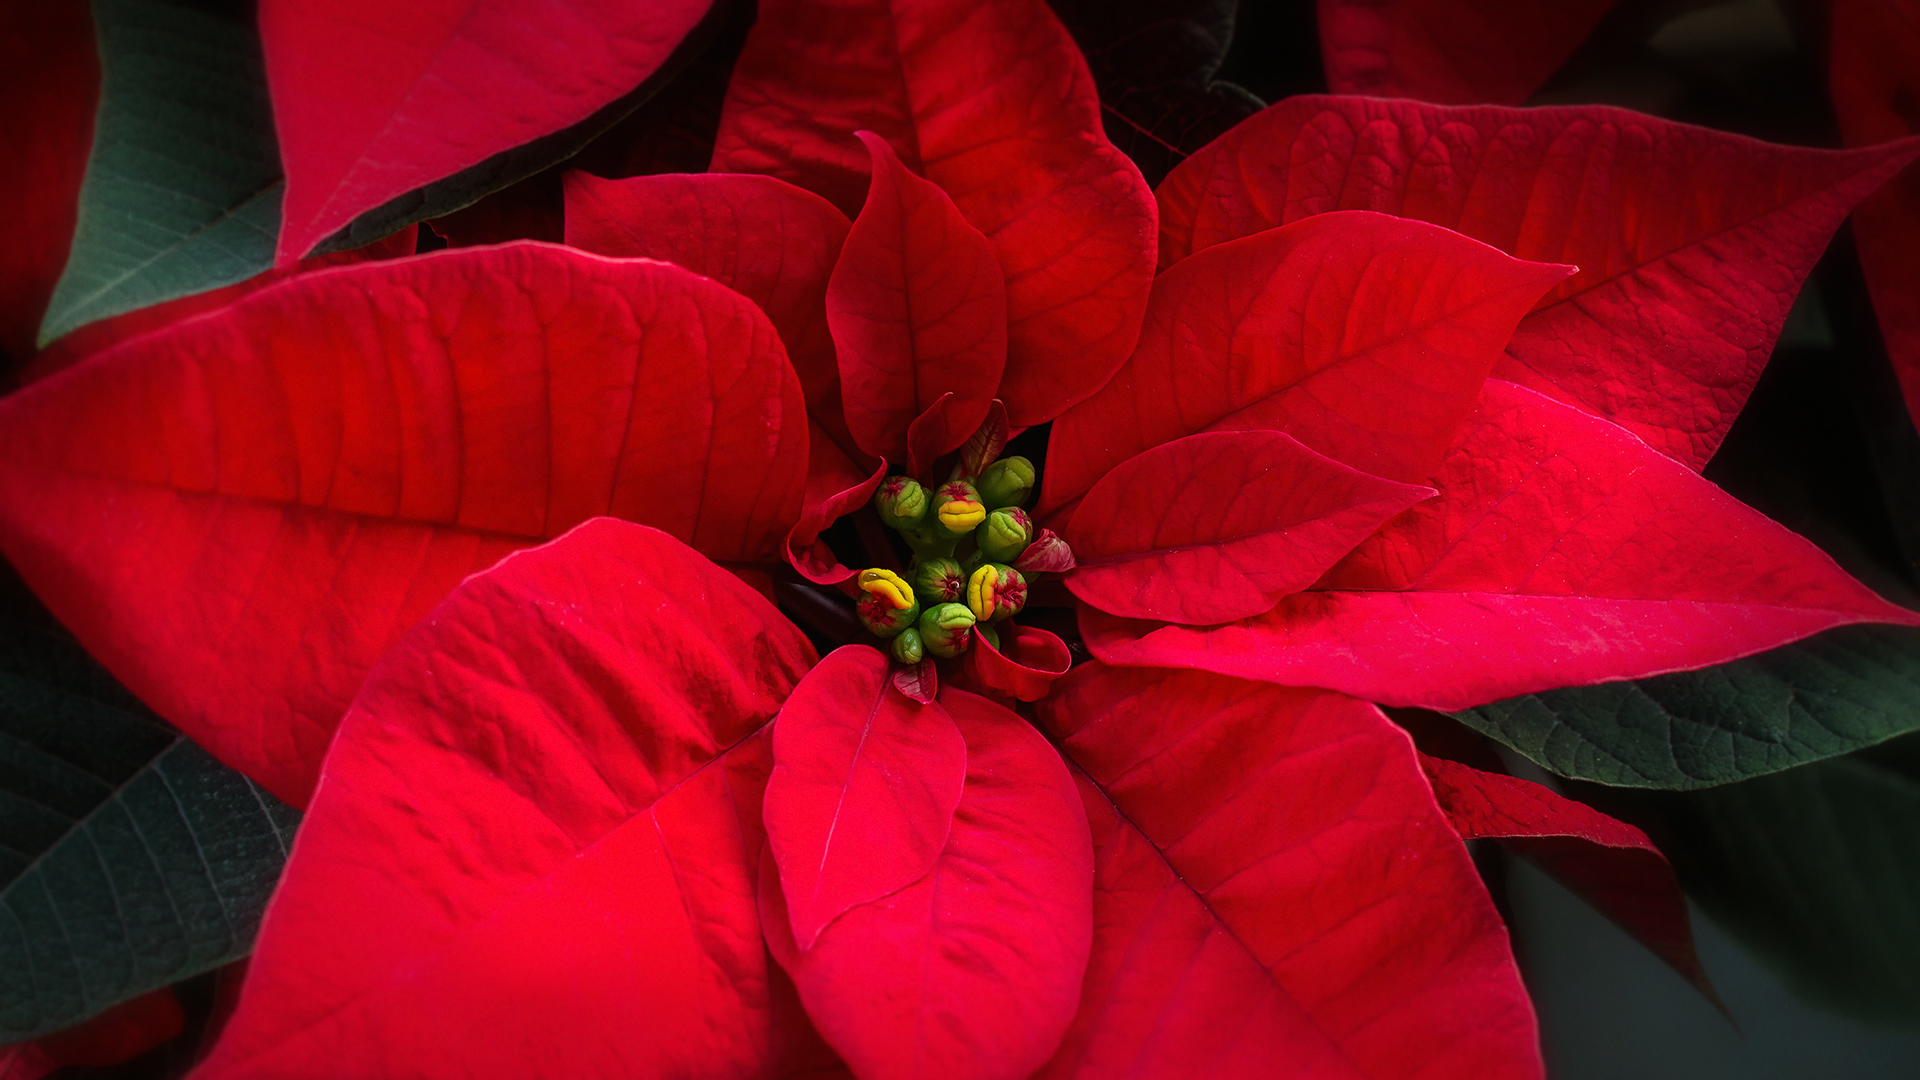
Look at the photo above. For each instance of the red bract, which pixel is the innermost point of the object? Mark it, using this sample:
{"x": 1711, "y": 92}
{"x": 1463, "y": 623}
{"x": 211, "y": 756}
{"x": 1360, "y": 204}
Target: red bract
{"x": 1610, "y": 864}
{"x": 373, "y": 100}
{"x": 992, "y": 103}
{"x": 1458, "y": 52}
{"x": 1561, "y": 551}
{"x": 1691, "y": 243}
{"x": 533, "y": 852}
{"x": 1277, "y": 886}
{"x": 238, "y": 514}
{"x": 1875, "y": 81}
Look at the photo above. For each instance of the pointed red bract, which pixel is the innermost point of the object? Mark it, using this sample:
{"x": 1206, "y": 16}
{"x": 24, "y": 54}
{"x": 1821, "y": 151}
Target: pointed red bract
{"x": 1323, "y": 915}
{"x": 1363, "y": 336}
{"x": 1608, "y": 863}
{"x": 769, "y": 241}
{"x": 863, "y": 789}
{"x": 1561, "y": 551}
{"x": 238, "y": 514}
{"x": 1458, "y": 52}
{"x": 534, "y": 849}
{"x": 49, "y": 84}
{"x": 1875, "y": 82}
{"x": 983, "y": 447}
{"x": 974, "y": 970}
{"x": 372, "y": 100}
{"x": 1679, "y": 298}
{"x": 1220, "y": 526}
{"x": 993, "y": 102}
{"x": 830, "y": 497}
{"x": 918, "y": 310}
{"x": 1024, "y": 666}
{"x": 920, "y": 682}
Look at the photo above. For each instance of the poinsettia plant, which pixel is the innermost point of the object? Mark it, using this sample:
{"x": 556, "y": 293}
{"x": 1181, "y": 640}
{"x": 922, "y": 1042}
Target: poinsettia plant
{"x": 895, "y": 592}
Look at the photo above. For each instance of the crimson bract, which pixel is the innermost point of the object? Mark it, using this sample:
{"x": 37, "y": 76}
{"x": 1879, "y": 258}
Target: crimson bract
{"x": 476, "y": 555}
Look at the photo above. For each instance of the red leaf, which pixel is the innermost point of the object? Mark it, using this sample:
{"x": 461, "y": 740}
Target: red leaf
{"x": 918, "y": 310}
{"x": 983, "y": 447}
{"x": 1678, "y": 300}
{"x": 238, "y": 514}
{"x": 1025, "y": 665}
{"x": 974, "y": 970}
{"x": 933, "y": 429}
{"x": 101, "y": 335}
{"x": 1363, "y": 336}
{"x": 863, "y": 789}
{"x": 1609, "y": 863}
{"x": 1459, "y": 53}
{"x": 25, "y": 1061}
{"x": 49, "y": 85}
{"x": 120, "y": 1034}
{"x": 1292, "y": 893}
{"x": 827, "y": 502}
{"x": 1561, "y": 551}
{"x": 1047, "y": 554}
{"x": 533, "y": 850}
{"x": 767, "y": 240}
{"x": 920, "y": 681}
{"x": 992, "y": 102}
{"x": 1875, "y": 83}
{"x": 372, "y": 100}
{"x": 1220, "y": 526}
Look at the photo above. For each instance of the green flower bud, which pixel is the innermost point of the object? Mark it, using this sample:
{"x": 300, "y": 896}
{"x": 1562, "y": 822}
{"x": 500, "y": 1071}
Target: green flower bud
{"x": 889, "y": 605}
{"x": 901, "y": 502}
{"x": 906, "y": 646}
{"x": 957, "y": 510}
{"x": 1006, "y": 482}
{"x": 939, "y": 581}
{"x": 1005, "y": 534}
{"x": 946, "y": 630}
{"x": 995, "y": 592}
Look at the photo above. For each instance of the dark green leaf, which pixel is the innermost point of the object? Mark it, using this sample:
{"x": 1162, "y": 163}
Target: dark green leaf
{"x": 182, "y": 192}
{"x": 129, "y": 857}
{"x": 1816, "y": 870}
{"x": 1829, "y": 695}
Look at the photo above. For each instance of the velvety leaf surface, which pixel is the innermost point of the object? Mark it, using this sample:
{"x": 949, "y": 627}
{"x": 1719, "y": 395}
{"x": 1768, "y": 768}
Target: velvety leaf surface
{"x": 1678, "y": 300}
{"x": 183, "y": 187}
{"x": 372, "y": 101}
{"x": 49, "y": 86}
{"x": 918, "y": 310}
{"x": 1875, "y": 85}
{"x": 1608, "y": 863}
{"x": 1363, "y": 336}
{"x": 992, "y": 102}
{"x": 769, "y": 241}
{"x": 1456, "y": 52}
{"x": 1561, "y": 551}
{"x": 1831, "y": 694}
{"x": 863, "y": 790}
{"x": 239, "y": 514}
{"x": 1293, "y": 897}
{"x": 1817, "y": 870}
{"x": 1154, "y": 63}
{"x": 975, "y": 969}
{"x": 1219, "y": 526}
{"x": 129, "y": 857}
{"x": 533, "y": 850}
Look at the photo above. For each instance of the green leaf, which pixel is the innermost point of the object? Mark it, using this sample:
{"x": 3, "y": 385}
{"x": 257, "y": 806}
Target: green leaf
{"x": 129, "y": 857}
{"x": 1828, "y": 695}
{"x": 182, "y": 192}
{"x": 1816, "y": 870}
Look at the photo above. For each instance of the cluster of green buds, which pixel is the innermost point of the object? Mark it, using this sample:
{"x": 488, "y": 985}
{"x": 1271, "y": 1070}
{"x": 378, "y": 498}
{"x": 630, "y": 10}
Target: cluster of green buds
{"x": 965, "y": 535}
